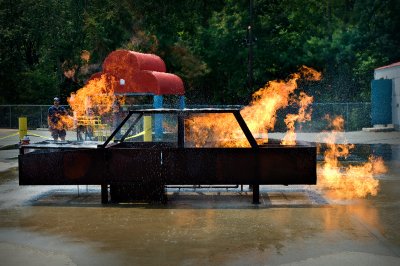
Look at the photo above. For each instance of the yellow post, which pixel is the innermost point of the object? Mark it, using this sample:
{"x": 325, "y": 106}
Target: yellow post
{"x": 148, "y": 130}
{"x": 22, "y": 127}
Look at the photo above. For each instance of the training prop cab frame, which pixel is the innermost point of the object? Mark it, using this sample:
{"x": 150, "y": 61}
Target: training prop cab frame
{"x": 139, "y": 171}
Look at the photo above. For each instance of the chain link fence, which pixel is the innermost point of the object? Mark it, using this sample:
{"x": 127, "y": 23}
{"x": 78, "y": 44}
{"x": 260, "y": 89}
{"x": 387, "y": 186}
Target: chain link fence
{"x": 356, "y": 115}
{"x": 36, "y": 115}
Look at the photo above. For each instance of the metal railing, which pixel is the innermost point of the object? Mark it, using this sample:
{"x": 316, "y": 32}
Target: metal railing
{"x": 356, "y": 114}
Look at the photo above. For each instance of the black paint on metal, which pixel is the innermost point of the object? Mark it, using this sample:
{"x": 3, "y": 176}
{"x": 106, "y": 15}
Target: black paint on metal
{"x": 116, "y": 131}
{"x": 181, "y": 130}
{"x": 141, "y": 170}
{"x": 104, "y": 193}
{"x": 246, "y": 130}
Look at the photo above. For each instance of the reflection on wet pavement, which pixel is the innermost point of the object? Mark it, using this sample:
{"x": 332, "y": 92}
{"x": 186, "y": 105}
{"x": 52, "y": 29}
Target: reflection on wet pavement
{"x": 292, "y": 226}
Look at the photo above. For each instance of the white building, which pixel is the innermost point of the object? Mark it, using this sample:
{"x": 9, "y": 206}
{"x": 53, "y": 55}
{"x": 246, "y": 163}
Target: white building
{"x": 392, "y": 72}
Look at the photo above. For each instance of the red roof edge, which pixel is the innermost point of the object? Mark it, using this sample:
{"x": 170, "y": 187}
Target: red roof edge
{"x": 388, "y": 66}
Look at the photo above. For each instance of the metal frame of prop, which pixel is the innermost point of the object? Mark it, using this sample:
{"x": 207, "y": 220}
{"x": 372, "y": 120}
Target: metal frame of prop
{"x": 182, "y": 114}
{"x": 140, "y": 171}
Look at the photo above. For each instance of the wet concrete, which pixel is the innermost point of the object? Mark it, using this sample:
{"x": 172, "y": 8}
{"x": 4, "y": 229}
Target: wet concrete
{"x": 183, "y": 234}
{"x": 297, "y": 225}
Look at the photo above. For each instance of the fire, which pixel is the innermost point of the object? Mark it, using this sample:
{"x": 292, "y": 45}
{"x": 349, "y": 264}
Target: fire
{"x": 63, "y": 122}
{"x": 260, "y": 114}
{"x": 203, "y": 128}
{"x": 347, "y": 182}
{"x": 66, "y": 122}
{"x": 96, "y": 98}
{"x": 304, "y": 101}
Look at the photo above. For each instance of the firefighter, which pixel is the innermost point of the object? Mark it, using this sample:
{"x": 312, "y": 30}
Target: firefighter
{"x": 54, "y": 119}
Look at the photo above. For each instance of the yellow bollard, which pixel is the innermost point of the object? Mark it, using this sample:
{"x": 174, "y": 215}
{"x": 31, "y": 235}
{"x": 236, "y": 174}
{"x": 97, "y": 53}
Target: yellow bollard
{"x": 22, "y": 127}
{"x": 148, "y": 129}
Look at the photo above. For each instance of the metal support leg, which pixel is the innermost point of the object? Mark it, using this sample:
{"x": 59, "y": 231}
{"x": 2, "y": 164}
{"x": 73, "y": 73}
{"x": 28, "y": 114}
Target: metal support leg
{"x": 181, "y": 131}
{"x": 104, "y": 194}
{"x": 256, "y": 194}
{"x": 256, "y": 183}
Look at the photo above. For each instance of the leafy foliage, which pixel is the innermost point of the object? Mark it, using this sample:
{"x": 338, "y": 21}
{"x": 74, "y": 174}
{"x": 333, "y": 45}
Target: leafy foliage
{"x": 204, "y": 42}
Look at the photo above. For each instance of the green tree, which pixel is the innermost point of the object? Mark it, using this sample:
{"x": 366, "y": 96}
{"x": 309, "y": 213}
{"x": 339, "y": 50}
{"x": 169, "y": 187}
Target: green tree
{"x": 201, "y": 41}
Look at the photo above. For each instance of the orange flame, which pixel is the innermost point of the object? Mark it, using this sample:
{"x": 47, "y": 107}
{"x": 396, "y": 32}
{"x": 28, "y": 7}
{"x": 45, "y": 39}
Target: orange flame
{"x": 352, "y": 181}
{"x": 64, "y": 121}
{"x": 260, "y": 114}
{"x": 304, "y": 115}
{"x": 96, "y": 98}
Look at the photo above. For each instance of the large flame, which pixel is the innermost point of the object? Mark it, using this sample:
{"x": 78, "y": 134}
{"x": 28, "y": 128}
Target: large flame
{"x": 260, "y": 114}
{"x": 347, "y": 181}
{"x": 304, "y": 101}
{"x": 95, "y": 99}
{"x": 64, "y": 121}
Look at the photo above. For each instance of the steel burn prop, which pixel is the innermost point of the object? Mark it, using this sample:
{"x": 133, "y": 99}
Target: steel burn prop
{"x": 130, "y": 171}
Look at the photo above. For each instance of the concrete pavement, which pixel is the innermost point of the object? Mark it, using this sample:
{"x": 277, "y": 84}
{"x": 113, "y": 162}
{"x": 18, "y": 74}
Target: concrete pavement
{"x": 293, "y": 226}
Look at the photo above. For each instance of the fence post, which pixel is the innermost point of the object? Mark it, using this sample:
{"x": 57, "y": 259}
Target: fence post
{"x": 10, "y": 116}
{"x": 41, "y": 117}
{"x": 22, "y": 126}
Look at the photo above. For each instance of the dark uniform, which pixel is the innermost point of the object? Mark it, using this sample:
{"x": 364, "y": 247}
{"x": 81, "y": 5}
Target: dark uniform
{"x": 54, "y": 116}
